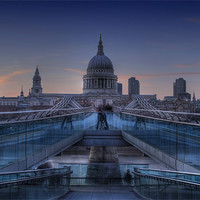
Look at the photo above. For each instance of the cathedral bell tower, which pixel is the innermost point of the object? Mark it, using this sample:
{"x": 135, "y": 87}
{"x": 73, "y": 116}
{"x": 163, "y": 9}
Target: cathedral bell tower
{"x": 36, "y": 89}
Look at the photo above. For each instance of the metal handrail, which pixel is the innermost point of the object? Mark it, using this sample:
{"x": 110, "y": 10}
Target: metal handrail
{"x": 127, "y": 111}
{"x": 182, "y": 182}
{"x": 164, "y": 111}
{"x": 32, "y": 178}
{"x": 29, "y": 171}
{"x": 78, "y": 111}
{"x": 37, "y": 175}
{"x": 171, "y": 171}
{"x": 132, "y": 109}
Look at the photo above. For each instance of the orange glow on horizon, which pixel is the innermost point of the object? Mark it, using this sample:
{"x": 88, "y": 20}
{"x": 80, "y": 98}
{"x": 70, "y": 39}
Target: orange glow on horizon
{"x": 5, "y": 78}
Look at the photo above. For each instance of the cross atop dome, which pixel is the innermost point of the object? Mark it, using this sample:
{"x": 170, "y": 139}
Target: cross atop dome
{"x": 100, "y": 47}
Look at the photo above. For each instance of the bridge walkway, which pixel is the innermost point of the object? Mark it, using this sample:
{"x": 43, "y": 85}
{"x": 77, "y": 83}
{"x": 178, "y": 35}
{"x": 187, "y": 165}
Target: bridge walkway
{"x": 101, "y": 193}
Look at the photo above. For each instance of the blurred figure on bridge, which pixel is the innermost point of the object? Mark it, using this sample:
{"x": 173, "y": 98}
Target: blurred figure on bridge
{"x": 102, "y": 123}
{"x": 128, "y": 177}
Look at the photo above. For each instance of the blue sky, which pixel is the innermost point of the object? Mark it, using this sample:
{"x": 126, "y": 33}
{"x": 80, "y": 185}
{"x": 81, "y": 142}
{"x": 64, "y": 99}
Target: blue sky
{"x": 154, "y": 41}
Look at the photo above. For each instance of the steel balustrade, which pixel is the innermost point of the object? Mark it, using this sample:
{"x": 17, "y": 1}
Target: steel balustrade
{"x": 140, "y": 107}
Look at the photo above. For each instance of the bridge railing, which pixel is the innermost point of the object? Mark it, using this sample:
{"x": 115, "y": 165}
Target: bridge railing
{"x": 35, "y": 184}
{"x": 100, "y": 173}
{"x": 23, "y": 139}
{"x": 160, "y": 184}
{"x": 178, "y": 141}
{"x": 190, "y": 118}
{"x": 19, "y": 177}
{"x": 140, "y": 106}
{"x": 20, "y": 116}
{"x": 176, "y": 175}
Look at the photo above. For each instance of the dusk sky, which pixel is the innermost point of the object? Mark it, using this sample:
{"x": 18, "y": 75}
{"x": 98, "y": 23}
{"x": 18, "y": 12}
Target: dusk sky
{"x": 154, "y": 41}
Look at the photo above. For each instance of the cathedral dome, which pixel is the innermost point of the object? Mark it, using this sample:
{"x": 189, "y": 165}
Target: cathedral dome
{"x": 100, "y": 62}
{"x": 100, "y": 77}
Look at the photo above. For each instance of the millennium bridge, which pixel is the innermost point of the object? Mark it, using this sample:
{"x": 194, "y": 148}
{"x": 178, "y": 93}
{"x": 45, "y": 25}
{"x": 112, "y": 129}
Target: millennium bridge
{"x": 29, "y": 139}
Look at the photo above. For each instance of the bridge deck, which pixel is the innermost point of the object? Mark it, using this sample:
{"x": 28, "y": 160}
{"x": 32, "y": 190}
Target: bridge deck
{"x": 100, "y": 193}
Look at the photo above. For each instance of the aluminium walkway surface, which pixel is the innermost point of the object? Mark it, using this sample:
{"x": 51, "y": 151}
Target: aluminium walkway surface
{"x": 101, "y": 193}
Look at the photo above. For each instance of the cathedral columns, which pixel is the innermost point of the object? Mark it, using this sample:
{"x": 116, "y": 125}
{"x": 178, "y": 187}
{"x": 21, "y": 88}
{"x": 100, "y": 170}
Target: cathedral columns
{"x": 100, "y": 83}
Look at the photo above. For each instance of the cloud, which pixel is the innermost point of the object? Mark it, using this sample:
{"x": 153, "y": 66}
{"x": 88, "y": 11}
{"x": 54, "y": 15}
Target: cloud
{"x": 75, "y": 70}
{"x": 125, "y": 77}
{"x": 85, "y": 61}
{"x": 195, "y": 20}
{"x": 183, "y": 66}
{"x": 7, "y": 77}
{"x": 147, "y": 76}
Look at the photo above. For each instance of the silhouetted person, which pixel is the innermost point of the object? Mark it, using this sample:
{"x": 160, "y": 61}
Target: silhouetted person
{"x": 99, "y": 120}
{"x": 45, "y": 165}
{"x": 139, "y": 122}
{"x": 67, "y": 120}
{"x": 128, "y": 177}
{"x": 102, "y": 121}
{"x": 105, "y": 121}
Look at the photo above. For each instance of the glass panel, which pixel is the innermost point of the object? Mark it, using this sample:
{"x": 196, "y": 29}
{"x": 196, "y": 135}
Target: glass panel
{"x": 47, "y": 188}
{"x": 180, "y": 141}
{"x": 21, "y": 139}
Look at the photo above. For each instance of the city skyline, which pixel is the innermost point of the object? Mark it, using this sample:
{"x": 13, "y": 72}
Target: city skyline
{"x": 156, "y": 42}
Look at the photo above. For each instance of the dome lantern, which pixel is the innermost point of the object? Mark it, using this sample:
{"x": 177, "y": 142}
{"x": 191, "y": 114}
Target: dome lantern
{"x": 100, "y": 47}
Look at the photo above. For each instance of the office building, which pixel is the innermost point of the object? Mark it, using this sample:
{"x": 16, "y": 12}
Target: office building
{"x": 133, "y": 86}
{"x": 119, "y": 88}
{"x": 179, "y": 87}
